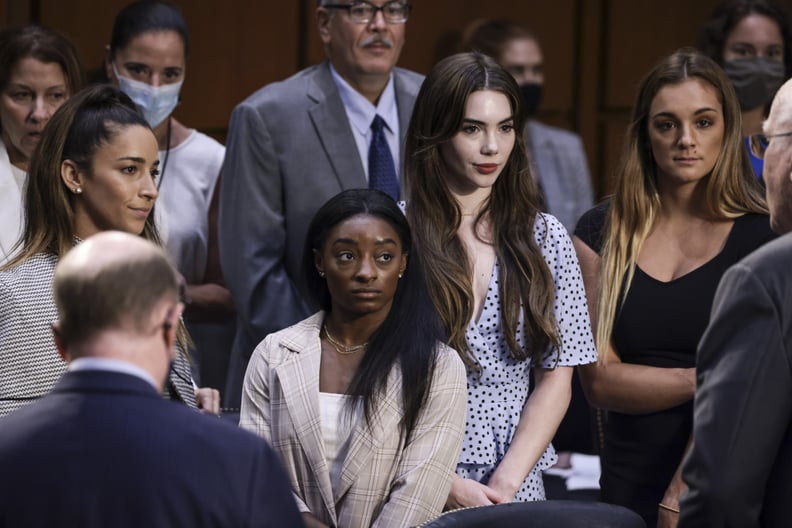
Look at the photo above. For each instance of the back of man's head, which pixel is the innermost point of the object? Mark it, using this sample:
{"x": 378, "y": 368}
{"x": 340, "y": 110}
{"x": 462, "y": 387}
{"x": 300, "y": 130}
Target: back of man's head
{"x": 111, "y": 281}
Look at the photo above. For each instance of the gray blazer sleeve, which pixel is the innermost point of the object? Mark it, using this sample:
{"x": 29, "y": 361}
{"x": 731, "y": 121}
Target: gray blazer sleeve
{"x": 743, "y": 401}
{"x": 251, "y": 227}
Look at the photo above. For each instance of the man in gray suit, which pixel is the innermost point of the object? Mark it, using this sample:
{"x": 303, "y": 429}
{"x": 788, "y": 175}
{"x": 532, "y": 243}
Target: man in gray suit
{"x": 293, "y": 145}
{"x": 739, "y": 469}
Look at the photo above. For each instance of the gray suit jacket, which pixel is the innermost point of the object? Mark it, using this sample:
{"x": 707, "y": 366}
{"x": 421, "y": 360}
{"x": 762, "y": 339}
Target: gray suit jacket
{"x": 290, "y": 148}
{"x": 562, "y": 170}
{"x": 740, "y": 466}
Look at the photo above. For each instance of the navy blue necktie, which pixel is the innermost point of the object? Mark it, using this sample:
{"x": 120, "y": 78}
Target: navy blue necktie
{"x": 382, "y": 171}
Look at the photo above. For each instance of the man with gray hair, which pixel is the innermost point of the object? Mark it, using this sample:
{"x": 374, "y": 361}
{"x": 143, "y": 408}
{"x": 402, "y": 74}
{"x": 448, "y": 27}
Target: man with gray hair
{"x": 295, "y": 144}
{"x": 104, "y": 448}
{"x": 739, "y": 468}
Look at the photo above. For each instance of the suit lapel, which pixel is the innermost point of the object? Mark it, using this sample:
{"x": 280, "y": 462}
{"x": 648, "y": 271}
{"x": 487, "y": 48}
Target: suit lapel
{"x": 299, "y": 380}
{"x": 365, "y": 440}
{"x": 335, "y": 133}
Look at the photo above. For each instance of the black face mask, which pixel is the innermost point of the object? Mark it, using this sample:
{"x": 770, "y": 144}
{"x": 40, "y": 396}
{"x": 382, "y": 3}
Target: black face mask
{"x": 531, "y": 98}
{"x": 755, "y": 80}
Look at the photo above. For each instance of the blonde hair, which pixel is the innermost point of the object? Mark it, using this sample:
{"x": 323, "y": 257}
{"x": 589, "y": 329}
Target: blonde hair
{"x": 731, "y": 188}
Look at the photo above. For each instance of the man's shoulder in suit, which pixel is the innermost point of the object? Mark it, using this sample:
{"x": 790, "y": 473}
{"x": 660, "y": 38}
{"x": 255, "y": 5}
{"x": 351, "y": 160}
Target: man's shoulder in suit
{"x": 543, "y": 132}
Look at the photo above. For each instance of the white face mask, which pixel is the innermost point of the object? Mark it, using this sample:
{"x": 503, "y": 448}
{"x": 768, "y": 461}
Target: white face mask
{"x": 155, "y": 102}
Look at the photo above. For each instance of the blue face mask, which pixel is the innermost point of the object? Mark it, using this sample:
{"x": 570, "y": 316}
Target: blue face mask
{"x": 156, "y": 103}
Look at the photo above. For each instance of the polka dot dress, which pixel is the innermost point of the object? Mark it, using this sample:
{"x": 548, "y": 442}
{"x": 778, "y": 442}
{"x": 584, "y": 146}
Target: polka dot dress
{"x": 498, "y": 389}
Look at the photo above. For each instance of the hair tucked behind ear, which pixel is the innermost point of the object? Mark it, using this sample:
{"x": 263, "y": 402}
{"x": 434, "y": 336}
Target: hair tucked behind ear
{"x": 525, "y": 281}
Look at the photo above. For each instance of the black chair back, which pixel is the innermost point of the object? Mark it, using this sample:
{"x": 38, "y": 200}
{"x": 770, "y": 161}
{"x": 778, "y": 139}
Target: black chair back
{"x": 540, "y": 514}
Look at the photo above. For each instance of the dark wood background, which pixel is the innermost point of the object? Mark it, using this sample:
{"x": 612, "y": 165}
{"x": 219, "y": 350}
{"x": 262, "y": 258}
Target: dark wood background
{"x": 595, "y": 51}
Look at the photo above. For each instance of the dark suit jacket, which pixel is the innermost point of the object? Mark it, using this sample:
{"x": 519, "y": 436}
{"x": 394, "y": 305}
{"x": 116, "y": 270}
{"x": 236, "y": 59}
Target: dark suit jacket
{"x": 290, "y": 149}
{"x": 740, "y": 466}
{"x": 103, "y": 449}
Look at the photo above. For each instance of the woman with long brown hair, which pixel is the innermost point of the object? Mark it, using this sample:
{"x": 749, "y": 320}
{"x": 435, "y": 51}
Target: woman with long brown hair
{"x": 685, "y": 207}
{"x": 503, "y": 276}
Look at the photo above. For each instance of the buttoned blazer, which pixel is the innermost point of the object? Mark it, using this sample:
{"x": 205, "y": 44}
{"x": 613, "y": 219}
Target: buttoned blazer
{"x": 290, "y": 148}
{"x": 105, "y": 449}
{"x": 562, "y": 171}
{"x": 739, "y": 468}
{"x": 10, "y": 207}
{"x": 382, "y": 482}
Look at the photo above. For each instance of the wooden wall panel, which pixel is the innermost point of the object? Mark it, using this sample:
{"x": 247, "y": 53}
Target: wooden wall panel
{"x": 640, "y": 33}
{"x": 595, "y": 51}
{"x": 237, "y": 46}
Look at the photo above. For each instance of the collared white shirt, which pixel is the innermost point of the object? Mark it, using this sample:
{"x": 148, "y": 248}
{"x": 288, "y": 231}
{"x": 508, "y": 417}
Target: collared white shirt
{"x": 361, "y": 112}
{"x": 112, "y": 365}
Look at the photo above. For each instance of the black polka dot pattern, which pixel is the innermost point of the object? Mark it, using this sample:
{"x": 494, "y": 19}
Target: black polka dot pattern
{"x": 498, "y": 389}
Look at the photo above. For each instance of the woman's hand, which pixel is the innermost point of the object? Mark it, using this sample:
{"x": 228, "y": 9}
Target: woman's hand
{"x": 468, "y": 492}
{"x": 208, "y": 400}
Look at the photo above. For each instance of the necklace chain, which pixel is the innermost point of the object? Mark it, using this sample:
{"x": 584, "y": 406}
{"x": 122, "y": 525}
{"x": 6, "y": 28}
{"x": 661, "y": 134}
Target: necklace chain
{"x": 340, "y": 347}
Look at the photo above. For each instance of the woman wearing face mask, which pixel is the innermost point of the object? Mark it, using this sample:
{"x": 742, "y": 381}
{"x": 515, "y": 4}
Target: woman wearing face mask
{"x": 93, "y": 171}
{"x": 556, "y": 155}
{"x": 752, "y": 42}
{"x": 39, "y": 70}
{"x": 146, "y": 59}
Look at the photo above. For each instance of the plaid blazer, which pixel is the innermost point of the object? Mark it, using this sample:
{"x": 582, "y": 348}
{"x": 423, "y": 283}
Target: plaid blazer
{"x": 382, "y": 481}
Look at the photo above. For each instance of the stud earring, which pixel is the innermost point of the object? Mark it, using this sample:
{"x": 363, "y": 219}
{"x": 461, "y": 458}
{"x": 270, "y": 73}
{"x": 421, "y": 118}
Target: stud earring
{"x": 321, "y": 273}
{"x": 401, "y": 275}
{"x": 78, "y": 190}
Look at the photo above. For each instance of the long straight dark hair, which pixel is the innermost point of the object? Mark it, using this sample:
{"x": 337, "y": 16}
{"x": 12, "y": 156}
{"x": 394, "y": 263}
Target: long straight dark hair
{"x": 408, "y": 337}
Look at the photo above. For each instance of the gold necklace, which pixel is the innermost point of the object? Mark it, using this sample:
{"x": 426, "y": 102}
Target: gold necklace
{"x": 341, "y": 348}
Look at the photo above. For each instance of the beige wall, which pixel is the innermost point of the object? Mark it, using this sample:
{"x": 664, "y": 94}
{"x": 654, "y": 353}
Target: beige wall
{"x": 595, "y": 50}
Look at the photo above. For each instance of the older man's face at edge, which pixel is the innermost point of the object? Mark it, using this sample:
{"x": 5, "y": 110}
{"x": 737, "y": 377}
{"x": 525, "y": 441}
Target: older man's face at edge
{"x": 777, "y": 171}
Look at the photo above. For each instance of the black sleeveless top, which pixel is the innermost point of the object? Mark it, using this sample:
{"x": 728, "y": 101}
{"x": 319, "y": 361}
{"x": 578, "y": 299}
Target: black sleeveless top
{"x": 659, "y": 325}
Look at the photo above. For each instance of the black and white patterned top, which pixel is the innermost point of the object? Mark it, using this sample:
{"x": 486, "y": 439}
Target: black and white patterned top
{"x": 29, "y": 361}
{"x": 498, "y": 390}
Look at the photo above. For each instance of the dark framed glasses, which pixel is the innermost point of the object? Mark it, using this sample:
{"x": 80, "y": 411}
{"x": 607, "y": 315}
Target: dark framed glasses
{"x": 760, "y": 142}
{"x": 363, "y": 12}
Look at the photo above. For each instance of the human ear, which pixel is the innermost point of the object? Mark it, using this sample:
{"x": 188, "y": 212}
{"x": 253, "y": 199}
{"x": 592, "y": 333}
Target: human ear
{"x": 108, "y": 64}
{"x": 171, "y": 326}
{"x": 59, "y": 343}
{"x": 323, "y": 17}
{"x": 318, "y": 262}
{"x": 403, "y": 266}
{"x": 71, "y": 176}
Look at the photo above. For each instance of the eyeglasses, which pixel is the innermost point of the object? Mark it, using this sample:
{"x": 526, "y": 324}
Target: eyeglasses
{"x": 363, "y": 12}
{"x": 760, "y": 142}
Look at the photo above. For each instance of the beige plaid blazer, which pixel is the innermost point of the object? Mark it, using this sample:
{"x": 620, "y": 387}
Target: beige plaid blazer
{"x": 382, "y": 481}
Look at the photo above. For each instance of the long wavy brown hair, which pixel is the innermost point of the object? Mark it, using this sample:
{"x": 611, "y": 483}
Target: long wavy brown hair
{"x": 731, "y": 188}
{"x": 525, "y": 281}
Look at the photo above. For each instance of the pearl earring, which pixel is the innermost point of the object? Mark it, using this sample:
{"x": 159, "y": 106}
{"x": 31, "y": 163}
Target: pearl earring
{"x": 321, "y": 273}
{"x": 78, "y": 190}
